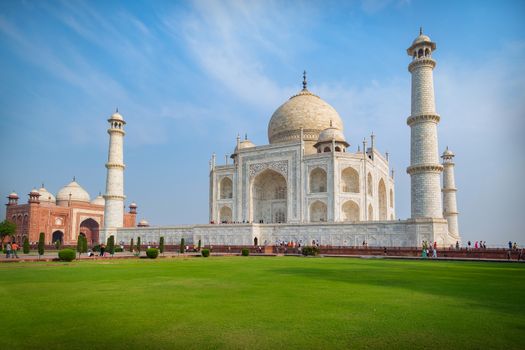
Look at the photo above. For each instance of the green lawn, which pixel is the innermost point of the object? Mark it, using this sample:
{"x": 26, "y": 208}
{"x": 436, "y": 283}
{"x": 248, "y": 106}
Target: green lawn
{"x": 262, "y": 302}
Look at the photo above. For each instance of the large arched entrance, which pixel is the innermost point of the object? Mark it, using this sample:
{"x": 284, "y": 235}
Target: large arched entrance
{"x": 90, "y": 228}
{"x": 381, "y": 191}
{"x": 269, "y": 198}
{"x": 225, "y": 215}
{"x": 57, "y": 236}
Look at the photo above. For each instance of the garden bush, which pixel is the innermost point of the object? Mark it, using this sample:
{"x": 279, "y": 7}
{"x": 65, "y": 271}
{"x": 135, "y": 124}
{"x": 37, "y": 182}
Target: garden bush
{"x": 205, "y": 253}
{"x": 245, "y": 251}
{"x": 118, "y": 249}
{"x": 152, "y": 253}
{"x": 66, "y": 254}
{"x": 310, "y": 251}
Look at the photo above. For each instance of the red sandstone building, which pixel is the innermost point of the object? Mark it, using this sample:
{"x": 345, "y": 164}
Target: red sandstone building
{"x": 63, "y": 218}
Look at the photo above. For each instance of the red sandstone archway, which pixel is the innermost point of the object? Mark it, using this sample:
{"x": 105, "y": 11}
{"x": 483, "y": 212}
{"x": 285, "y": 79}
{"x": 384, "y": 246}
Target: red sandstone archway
{"x": 90, "y": 228}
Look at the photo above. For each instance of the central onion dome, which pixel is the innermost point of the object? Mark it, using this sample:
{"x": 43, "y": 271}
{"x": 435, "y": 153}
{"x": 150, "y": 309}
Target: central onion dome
{"x": 75, "y": 190}
{"x": 303, "y": 110}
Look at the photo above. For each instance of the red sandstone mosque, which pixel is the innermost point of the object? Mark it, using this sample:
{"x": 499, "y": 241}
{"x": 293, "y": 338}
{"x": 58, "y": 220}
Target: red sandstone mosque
{"x": 62, "y": 218}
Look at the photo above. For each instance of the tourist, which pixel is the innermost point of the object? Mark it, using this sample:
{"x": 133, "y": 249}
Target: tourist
{"x": 457, "y": 245}
{"x": 14, "y": 248}
{"x": 8, "y": 250}
{"x": 434, "y": 252}
{"x": 510, "y": 245}
{"x": 476, "y": 245}
{"x": 102, "y": 249}
{"x": 468, "y": 246}
{"x": 514, "y": 246}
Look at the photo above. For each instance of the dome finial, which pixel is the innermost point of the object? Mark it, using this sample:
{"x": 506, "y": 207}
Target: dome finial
{"x": 116, "y": 110}
{"x": 74, "y": 178}
{"x": 304, "y": 80}
{"x": 420, "y": 30}
{"x": 245, "y": 136}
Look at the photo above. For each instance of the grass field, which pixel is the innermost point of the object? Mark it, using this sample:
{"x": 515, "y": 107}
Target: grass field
{"x": 262, "y": 302}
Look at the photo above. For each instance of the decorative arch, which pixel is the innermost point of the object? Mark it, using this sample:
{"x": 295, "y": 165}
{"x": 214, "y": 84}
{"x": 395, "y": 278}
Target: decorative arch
{"x": 391, "y": 198}
{"x": 326, "y": 149}
{"x": 225, "y": 214}
{"x": 90, "y": 229}
{"x": 350, "y": 180}
{"x": 370, "y": 212}
{"x": 350, "y": 211}
{"x": 369, "y": 184}
{"x": 269, "y": 202}
{"x": 225, "y": 188}
{"x": 317, "y": 180}
{"x": 318, "y": 212}
{"x": 57, "y": 236}
{"x": 381, "y": 192}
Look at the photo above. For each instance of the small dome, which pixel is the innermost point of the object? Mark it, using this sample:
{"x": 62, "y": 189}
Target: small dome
{"x": 76, "y": 191}
{"x": 244, "y": 144}
{"x": 329, "y": 134}
{"x": 303, "y": 110}
{"x": 448, "y": 153}
{"x": 34, "y": 192}
{"x": 46, "y": 196}
{"x": 421, "y": 38}
{"x": 13, "y": 195}
{"x": 133, "y": 205}
{"x": 99, "y": 200}
{"x": 116, "y": 116}
{"x": 143, "y": 223}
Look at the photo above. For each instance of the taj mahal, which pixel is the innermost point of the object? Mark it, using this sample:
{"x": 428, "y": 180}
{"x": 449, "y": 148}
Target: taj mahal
{"x": 310, "y": 183}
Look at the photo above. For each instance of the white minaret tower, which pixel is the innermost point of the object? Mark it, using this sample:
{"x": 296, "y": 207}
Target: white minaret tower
{"x": 450, "y": 207}
{"x": 114, "y": 209}
{"x": 424, "y": 169}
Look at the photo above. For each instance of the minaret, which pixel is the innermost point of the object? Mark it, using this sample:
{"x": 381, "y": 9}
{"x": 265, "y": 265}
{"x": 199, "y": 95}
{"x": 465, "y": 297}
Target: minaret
{"x": 450, "y": 208}
{"x": 424, "y": 169}
{"x": 114, "y": 209}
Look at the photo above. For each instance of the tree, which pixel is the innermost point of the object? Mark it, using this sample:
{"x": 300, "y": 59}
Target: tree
{"x": 25, "y": 247}
{"x": 41, "y": 244}
{"x": 7, "y": 228}
{"x": 199, "y": 246}
{"x": 181, "y": 248}
{"x": 161, "y": 245}
{"x": 111, "y": 245}
{"x": 84, "y": 244}
{"x": 138, "y": 244}
{"x": 80, "y": 245}
{"x": 131, "y": 246}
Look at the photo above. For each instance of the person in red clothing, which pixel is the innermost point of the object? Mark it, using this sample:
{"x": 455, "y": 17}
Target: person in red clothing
{"x": 14, "y": 248}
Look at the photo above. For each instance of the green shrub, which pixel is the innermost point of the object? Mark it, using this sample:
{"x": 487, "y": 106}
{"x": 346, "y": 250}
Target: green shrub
{"x": 131, "y": 246}
{"x": 181, "y": 248}
{"x": 57, "y": 244}
{"x": 205, "y": 253}
{"x": 245, "y": 251}
{"x": 161, "y": 245}
{"x": 152, "y": 253}
{"x": 66, "y": 254}
{"x": 96, "y": 248}
{"x": 41, "y": 243}
{"x": 199, "y": 246}
{"x": 310, "y": 251}
{"x": 118, "y": 249}
{"x": 26, "y": 245}
{"x": 138, "y": 244}
{"x": 111, "y": 244}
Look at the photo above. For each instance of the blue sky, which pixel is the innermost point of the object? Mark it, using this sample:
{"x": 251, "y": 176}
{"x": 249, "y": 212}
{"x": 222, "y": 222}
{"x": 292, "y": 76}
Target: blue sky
{"x": 188, "y": 76}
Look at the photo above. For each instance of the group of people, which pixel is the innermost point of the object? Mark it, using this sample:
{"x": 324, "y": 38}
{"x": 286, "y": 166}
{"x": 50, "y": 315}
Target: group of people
{"x": 11, "y": 250}
{"x": 477, "y": 245}
{"x": 429, "y": 248}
